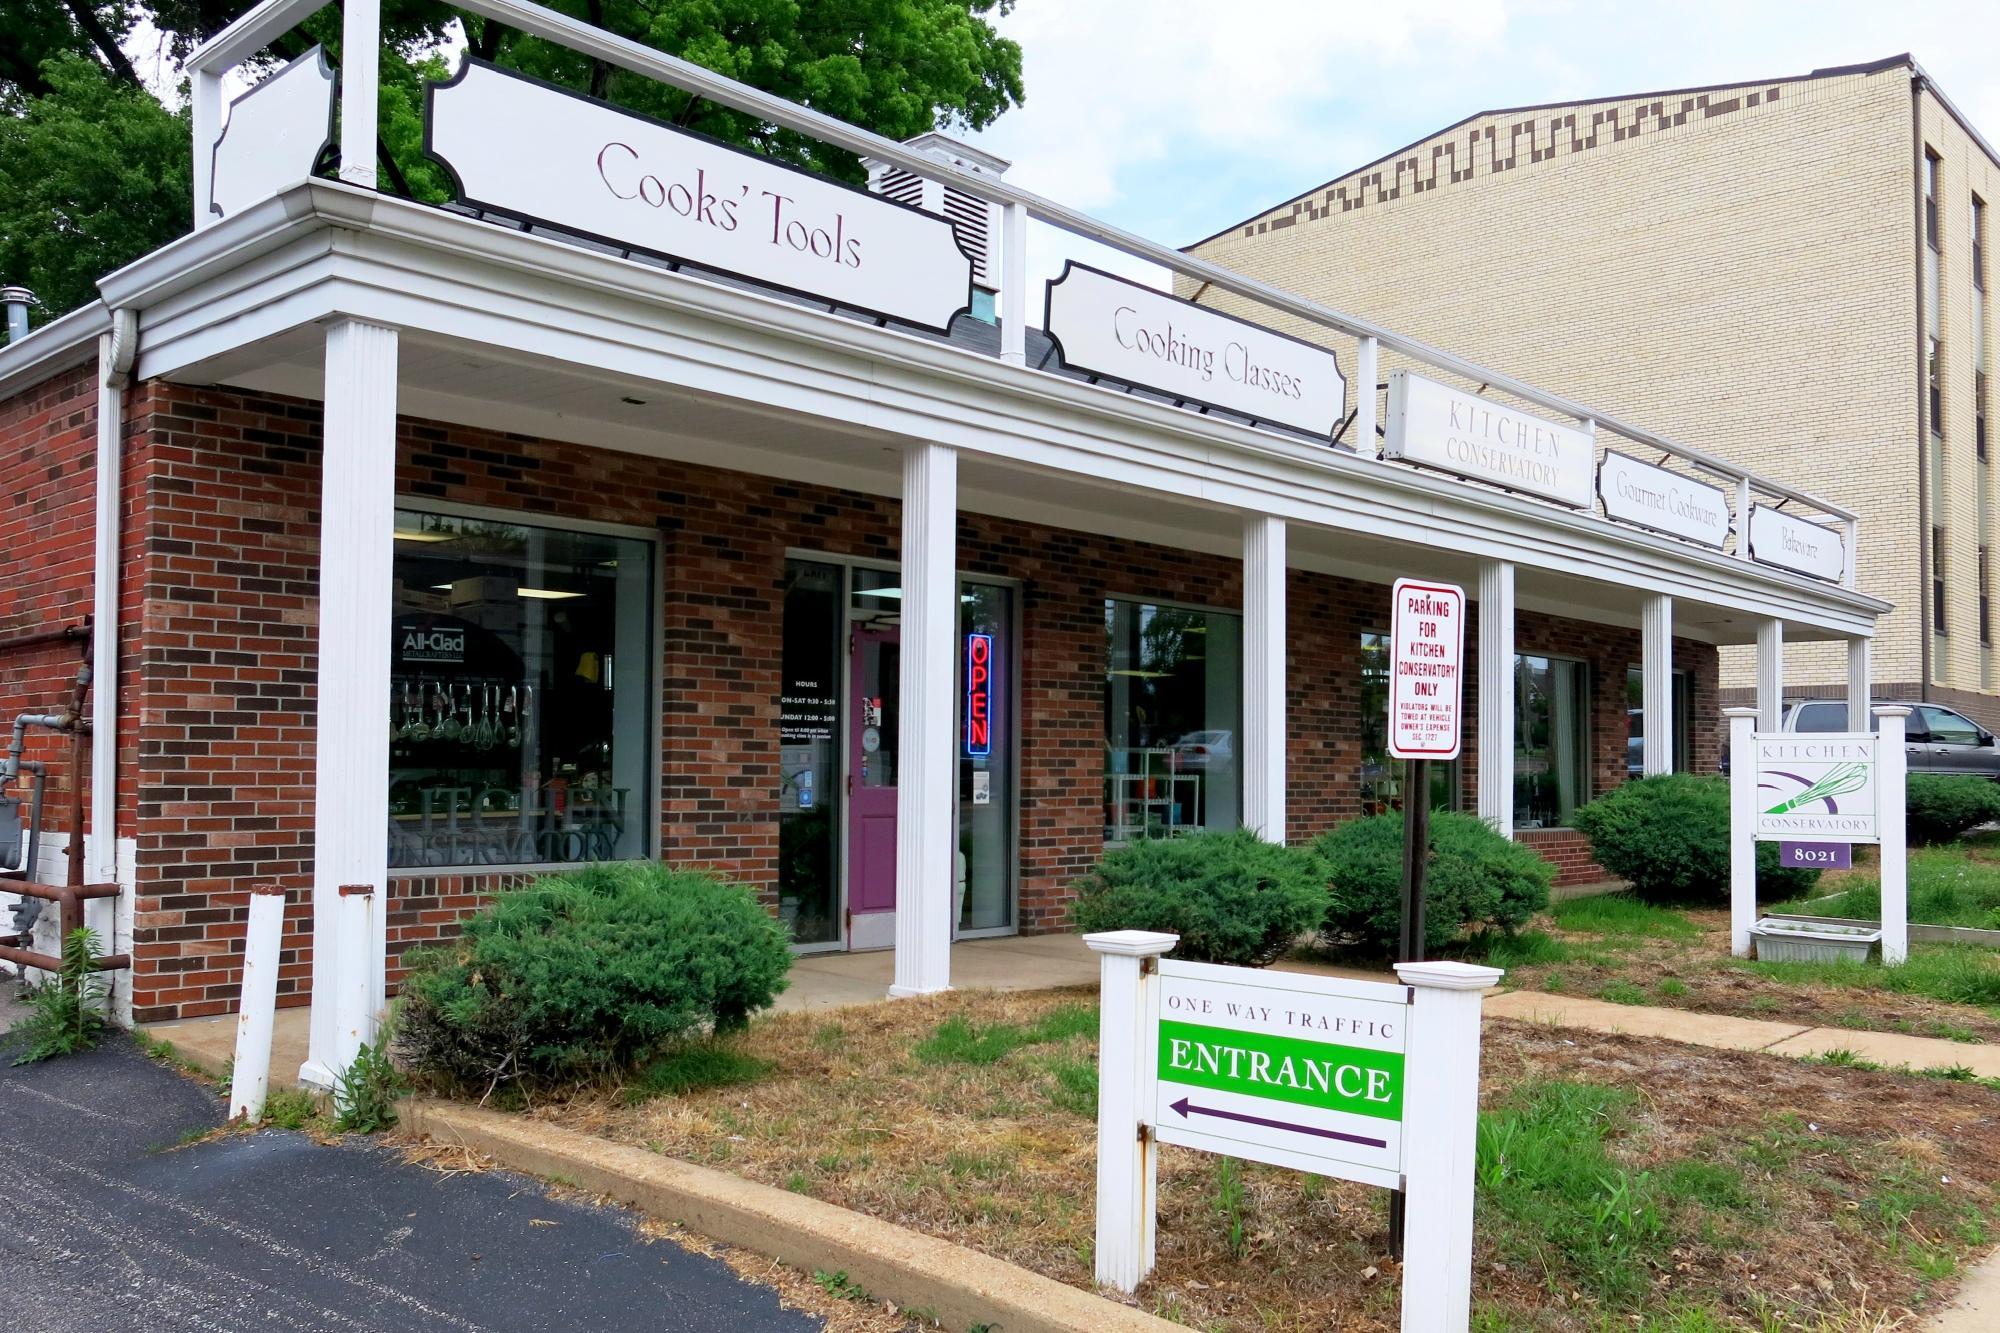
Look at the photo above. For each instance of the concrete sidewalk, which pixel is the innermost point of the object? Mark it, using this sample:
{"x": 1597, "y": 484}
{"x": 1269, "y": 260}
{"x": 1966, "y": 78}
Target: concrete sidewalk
{"x": 1890, "y": 1049}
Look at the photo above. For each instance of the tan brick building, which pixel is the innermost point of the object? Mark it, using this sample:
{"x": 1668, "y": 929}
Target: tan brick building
{"x": 1773, "y": 271}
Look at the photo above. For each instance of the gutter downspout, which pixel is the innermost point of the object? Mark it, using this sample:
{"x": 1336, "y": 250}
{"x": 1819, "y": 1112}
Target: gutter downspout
{"x": 117, "y": 351}
{"x": 1917, "y": 83}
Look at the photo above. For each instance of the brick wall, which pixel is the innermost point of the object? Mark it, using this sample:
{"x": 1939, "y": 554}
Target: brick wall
{"x": 227, "y": 599}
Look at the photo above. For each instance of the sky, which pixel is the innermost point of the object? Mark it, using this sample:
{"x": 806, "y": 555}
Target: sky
{"x": 1174, "y": 118}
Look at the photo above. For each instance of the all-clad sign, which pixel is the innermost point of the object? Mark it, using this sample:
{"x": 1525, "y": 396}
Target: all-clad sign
{"x": 1652, "y": 497}
{"x": 1107, "y": 326}
{"x": 521, "y": 147}
{"x": 1297, "y": 1071}
{"x": 1777, "y": 538}
{"x": 1440, "y": 427}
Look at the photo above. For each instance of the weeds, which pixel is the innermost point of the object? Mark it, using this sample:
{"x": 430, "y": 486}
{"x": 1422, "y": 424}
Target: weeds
{"x": 66, "y": 1011}
{"x": 290, "y": 1108}
{"x": 841, "y": 1285}
{"x": 1621, "y": 992}
{"x": 1229, "y": 1205}
{"x": 691, "y": 1066}
{"x": 1621, "y": 917}
{"x": 958, "y": 1040}
{"x": 364, "y": 1093}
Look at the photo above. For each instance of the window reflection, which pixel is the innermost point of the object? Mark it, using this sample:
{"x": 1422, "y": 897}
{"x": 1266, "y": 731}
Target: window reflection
{"x": 1173, "y": 700}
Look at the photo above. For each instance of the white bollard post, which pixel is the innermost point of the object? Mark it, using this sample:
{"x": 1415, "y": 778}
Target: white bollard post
{"x": 1892, "y": 766}
{"x": 1441, "y": 1137}
{"x": 257, "y": 1007}
{"x": 1742, "y": 827}
{"x": 1128, "y": 1168}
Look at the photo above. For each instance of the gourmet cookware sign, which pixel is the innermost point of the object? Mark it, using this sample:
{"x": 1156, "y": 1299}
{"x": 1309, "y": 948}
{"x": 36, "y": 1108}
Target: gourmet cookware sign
{"x": 522, "y": 147}
{"x": 1439, "y": 427}
{"x": 1652, "y": 497}
{"x": 1108, "y": 326}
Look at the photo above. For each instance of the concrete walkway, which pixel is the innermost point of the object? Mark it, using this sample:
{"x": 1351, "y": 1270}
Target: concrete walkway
{"x": 1890, "y": 1049}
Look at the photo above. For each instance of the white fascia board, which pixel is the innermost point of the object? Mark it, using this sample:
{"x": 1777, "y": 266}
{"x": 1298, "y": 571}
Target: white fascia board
{"x": 427, "y": 269}
{"x": 59, "y": 345}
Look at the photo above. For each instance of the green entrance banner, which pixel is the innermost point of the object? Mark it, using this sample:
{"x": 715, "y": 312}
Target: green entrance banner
{"x": 1290, "y": 1069}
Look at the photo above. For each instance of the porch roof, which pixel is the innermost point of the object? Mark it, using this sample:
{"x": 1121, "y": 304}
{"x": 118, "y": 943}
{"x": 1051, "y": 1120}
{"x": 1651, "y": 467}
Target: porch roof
{"x": 519, "y": 332}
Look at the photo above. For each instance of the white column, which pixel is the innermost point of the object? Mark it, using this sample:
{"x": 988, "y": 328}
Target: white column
{"x": 1892, "y": 795}
{"x": 927, "y": 790}
{"x": 1441, "y": 1127}
{"x": 1742, "y": 827}
{"x": 1859, "y": 716}
{"x": 1364, "y": 402}
{"x": 1264, "y": 675}
{"x": 351, "y": 778}
{"x": 1128, "y": 1167}
{"x": 1770, "y": 674}
{"x": 360, "y": 74}
{"x": 1014, "y": 284}
{"x": 1656, "y": 667}
{"x": 205, "y": 111}
{"x": 1496, "y": 695}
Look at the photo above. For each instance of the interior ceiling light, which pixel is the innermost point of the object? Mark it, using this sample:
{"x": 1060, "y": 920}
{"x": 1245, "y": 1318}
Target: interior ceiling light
{"x": 546, "y": 594}
{"x": 409, "y": 535}
{"x": 878, "y": 592}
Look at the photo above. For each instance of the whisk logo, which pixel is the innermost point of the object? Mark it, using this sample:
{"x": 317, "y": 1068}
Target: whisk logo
{"x": 1824, "y": 787}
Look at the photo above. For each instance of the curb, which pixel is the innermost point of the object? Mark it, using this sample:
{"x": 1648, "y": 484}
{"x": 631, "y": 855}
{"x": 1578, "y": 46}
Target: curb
{"x": 962, "y": 1287}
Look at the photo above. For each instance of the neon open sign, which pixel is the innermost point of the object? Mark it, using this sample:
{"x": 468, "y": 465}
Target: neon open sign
{"x": 978, "y": 695}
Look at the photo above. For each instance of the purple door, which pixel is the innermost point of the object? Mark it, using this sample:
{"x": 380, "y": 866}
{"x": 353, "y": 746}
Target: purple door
{"x": 871, "y": 810}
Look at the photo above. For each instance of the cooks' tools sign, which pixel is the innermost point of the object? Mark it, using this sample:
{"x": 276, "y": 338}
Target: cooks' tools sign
{"x": 1360, "y": 1080}
{"x": 528, "y": 149}
{"x": 1426, "y": 672}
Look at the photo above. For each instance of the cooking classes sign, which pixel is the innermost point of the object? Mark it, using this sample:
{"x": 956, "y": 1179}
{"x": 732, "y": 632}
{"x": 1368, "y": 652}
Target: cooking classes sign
{"x": 519, "y": 146}
{"x": 1304, "y": 1072}
{"x": 1426, "y": 678}
{"x": 1818, "y": 787}
{"x": 1121, "y": 330}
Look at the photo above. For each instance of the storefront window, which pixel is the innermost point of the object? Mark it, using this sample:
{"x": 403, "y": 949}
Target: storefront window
{"x": 1551, "y": 740}
{"x": 809, "y": 798}
{"x": 520, "y": 694}
{"x": 1382, "y": 777}
{"x": 1173, "y": 707}
{"x": 986, "y": 757}
{"x": 1635, "y": 723}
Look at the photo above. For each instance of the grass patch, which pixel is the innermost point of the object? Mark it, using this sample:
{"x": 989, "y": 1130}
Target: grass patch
{"x": 692, "y": 1066}
{"x": 1619, "y": 916}
{"x": 1952, "y": 973}
{"x": 1621, "y": 992}
{"x": 291, "y": 1108}
{"x": 1954, "y": 885}
{"x": 1672, "y": 988}
{"x": 960, "y": 1041}
{"x": 1073, "y": 1084}
{"x": 1526, "y": 948}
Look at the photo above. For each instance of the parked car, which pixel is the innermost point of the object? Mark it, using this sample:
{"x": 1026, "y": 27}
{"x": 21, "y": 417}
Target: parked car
{"x": 1938, "y": 739}
{"x": 1200, "y": 751}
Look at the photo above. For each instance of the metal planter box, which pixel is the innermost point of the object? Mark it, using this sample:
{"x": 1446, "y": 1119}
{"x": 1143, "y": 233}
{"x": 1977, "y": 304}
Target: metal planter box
{"x": 1796, "y": 942}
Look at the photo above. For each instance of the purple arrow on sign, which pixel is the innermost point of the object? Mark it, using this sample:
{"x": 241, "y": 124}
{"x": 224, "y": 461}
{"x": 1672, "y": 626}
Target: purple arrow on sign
{"x": 1186, "y": 1108}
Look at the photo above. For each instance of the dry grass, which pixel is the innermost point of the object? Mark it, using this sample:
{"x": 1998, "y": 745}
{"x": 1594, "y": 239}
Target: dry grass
{"x": 1843, "y": 1221}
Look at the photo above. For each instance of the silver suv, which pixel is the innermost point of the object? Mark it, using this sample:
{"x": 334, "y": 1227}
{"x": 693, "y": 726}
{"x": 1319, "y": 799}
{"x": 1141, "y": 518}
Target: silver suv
{"x": 1938, "y": 739}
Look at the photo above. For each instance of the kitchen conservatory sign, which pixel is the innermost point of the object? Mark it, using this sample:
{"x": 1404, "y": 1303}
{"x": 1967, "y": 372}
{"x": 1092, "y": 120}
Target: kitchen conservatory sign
{"x": 1105, "y": 325}
{"x": 1776, "y": 538}
{"x": 521, "y": 147}
{"x": 1652, "y": 497}
{"x": 1439, "y": 427}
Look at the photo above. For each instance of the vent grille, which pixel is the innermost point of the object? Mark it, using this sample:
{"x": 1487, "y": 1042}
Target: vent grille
{"x": 971, "y": 220}
{"x": 904, "y": 187}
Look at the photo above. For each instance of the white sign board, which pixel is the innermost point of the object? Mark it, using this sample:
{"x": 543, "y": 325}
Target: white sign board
{"x": 1817, "y": 786}
{"x": 275, "y": 134}
{"x": 1776, "y": 538}
{"x": 531, "y": 150}
{"x": 1426, "y": 669}
{"x": 1297, "y": 1071}
{"x": 1105, "y": 325}
{"x": 1437, "y": 426}
{"x": 1652, "y": 497}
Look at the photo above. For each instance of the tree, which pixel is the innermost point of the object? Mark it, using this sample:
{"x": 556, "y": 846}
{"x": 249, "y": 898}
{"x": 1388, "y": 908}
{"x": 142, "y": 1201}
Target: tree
{"x": 91, "y": 170}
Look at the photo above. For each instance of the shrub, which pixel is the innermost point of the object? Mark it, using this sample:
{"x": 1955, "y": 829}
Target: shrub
{"x": 1474, "y": 878}
{"x": 1943, "y": 809}
{"x": 1231, "y": 897}
{"x": 1668, "y": 836}
{"x": 588, "y": 972}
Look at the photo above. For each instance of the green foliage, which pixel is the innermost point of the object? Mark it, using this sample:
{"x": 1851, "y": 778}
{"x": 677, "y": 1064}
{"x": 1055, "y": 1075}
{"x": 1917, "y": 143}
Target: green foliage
{"x": 1953, "y": 973}
{"x": 1621, "y": 992}
{"x": 1949, "y": 886}
{"x": 1942, "y": 809}
{"x": 1231, "y": 897}
{"x": 959, "y": 1041}
{"x": 93, "y": 174}
{"x": 1669, "y": 837}
{"x": 1073, "y": 1086}
{"x": 586, "y": 973}
{"x": 840, "y": 1284}
{"x": 65, "y": 1014}
{"x": 1230, "y": 1205}
{"x": 290, "y": 1108}
{"x": 1623, "y": 918}
{"x": 690, "y": 1066}
{"x": 364, "y": 1094}
{"x": 1475, "y": 879}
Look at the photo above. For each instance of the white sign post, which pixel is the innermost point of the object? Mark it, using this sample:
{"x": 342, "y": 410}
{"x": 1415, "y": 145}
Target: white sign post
{"x": 1359, "y": 1080}
{"x": 1818, "y": 787}
{"x": 526, "y": 148}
